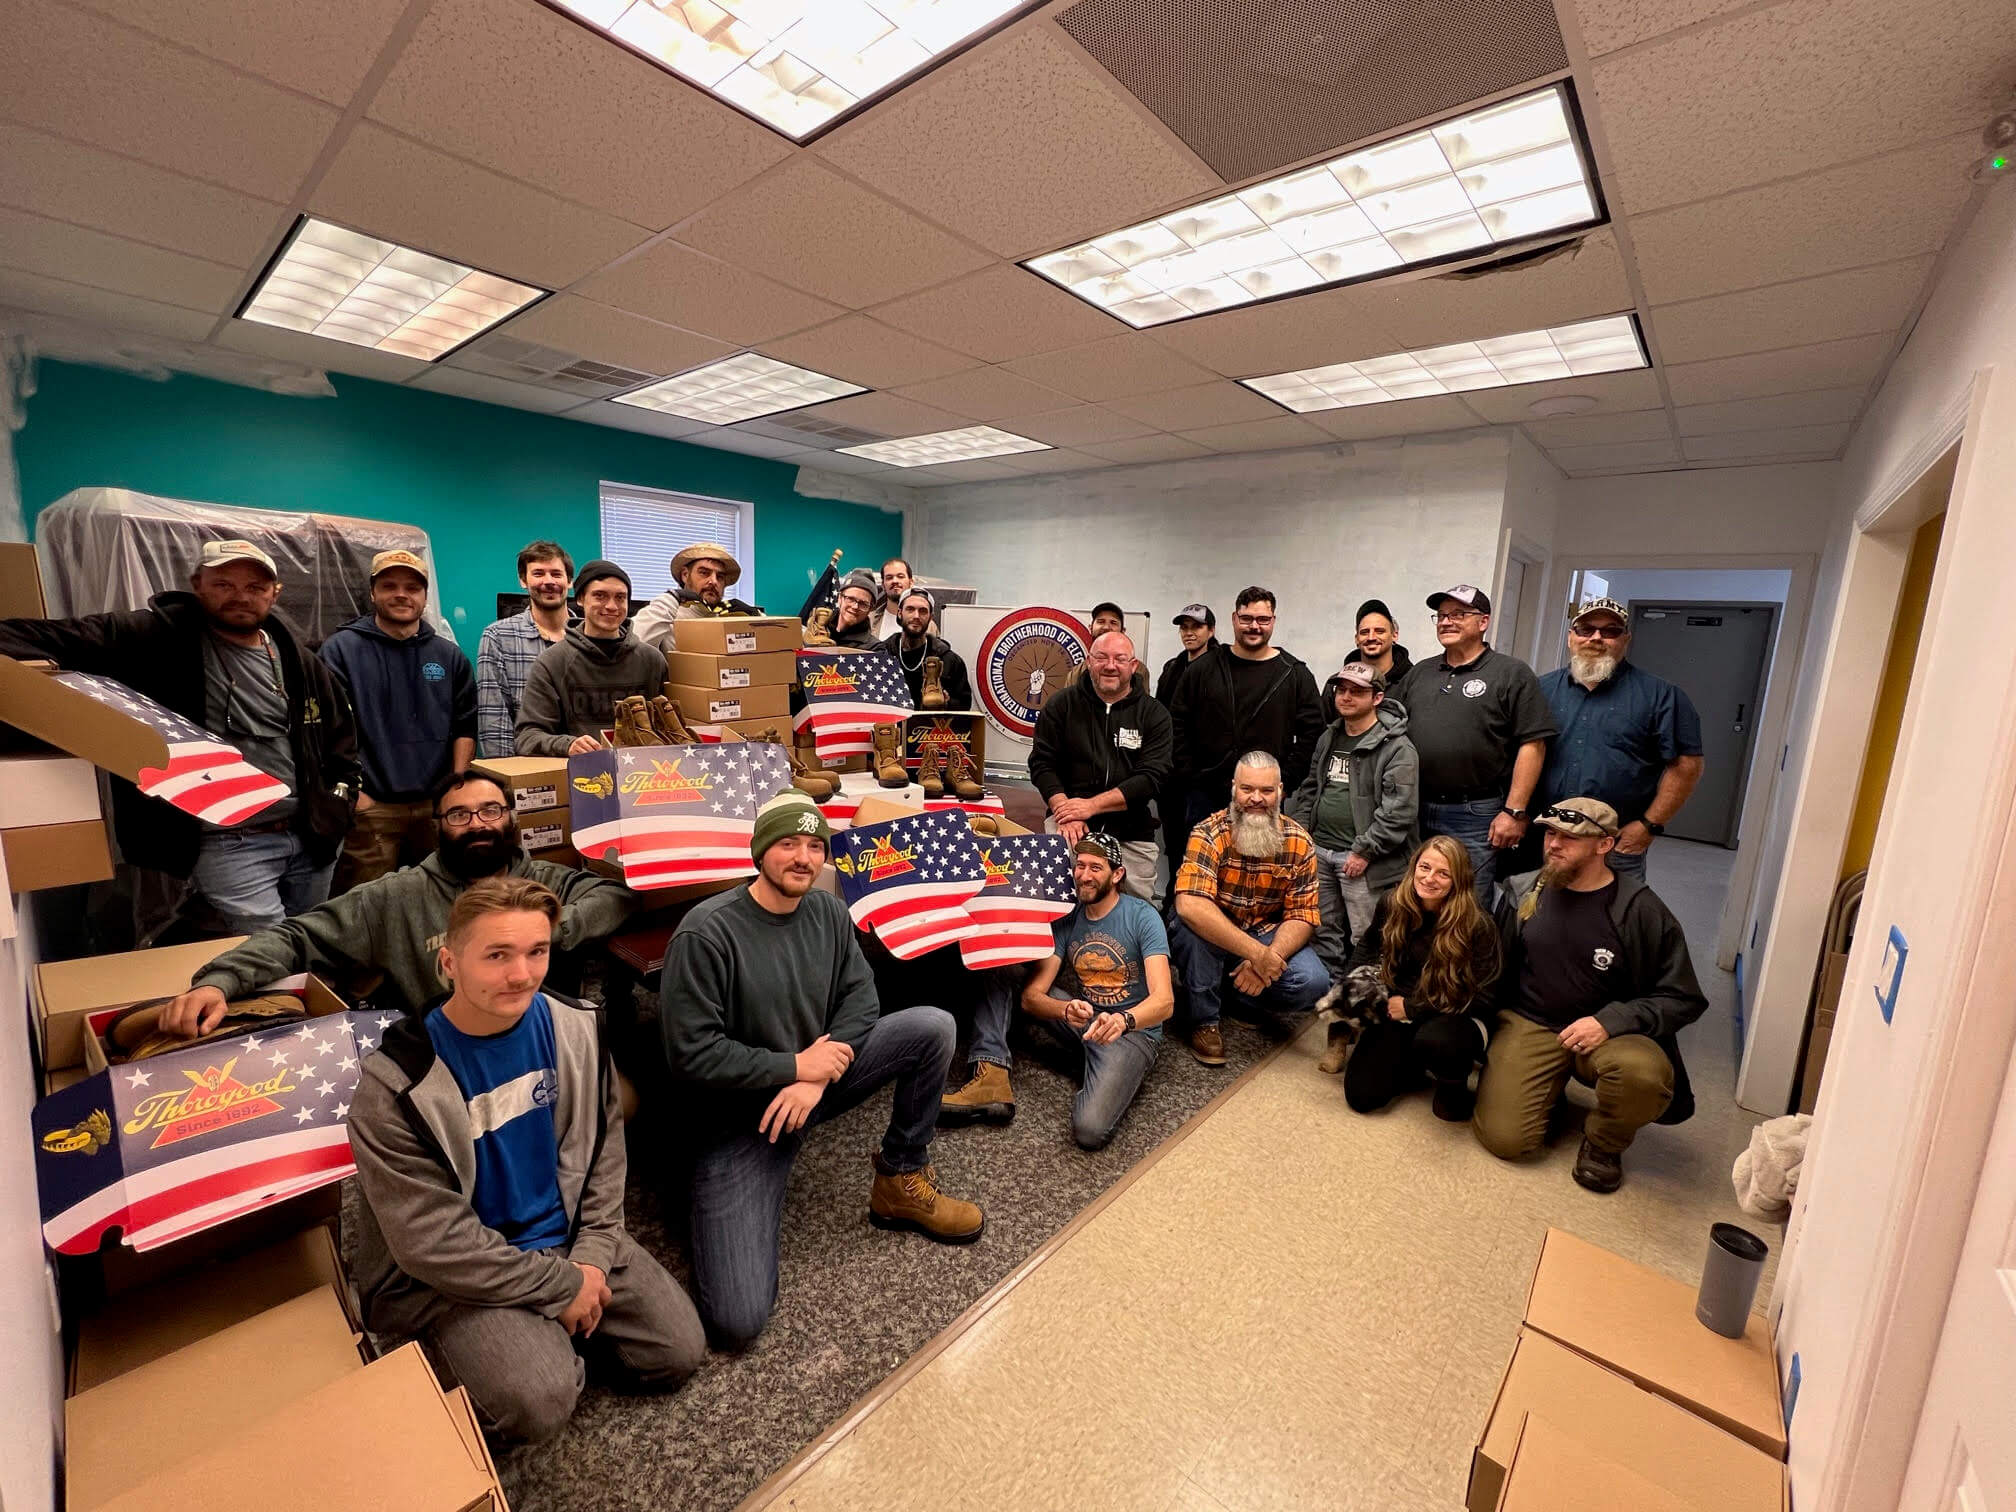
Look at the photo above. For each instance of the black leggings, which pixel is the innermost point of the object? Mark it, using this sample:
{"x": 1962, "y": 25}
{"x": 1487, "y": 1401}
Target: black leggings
{"x": 1392, "y": 1058}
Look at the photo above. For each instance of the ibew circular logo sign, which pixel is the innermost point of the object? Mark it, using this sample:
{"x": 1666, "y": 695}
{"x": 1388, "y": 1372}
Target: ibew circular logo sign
{"x": 1024, "y": 659}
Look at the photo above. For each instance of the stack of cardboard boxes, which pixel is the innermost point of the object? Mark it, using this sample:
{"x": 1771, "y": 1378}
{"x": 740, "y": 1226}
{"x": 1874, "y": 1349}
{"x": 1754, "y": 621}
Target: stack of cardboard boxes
{"x": 734, "y": 672}
{"x": 537, "y": 788}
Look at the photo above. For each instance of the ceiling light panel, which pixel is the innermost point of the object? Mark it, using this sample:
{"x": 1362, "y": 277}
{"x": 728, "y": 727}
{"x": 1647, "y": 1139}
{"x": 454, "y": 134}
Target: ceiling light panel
{"x": 740, "y": 388}
{"x": 1606, "y": 345}
{"x": 797, "y": 65}
{"x": 1496, "y": 175}
{"x": 967, "y": 445}
{"x": 334, "y": 282}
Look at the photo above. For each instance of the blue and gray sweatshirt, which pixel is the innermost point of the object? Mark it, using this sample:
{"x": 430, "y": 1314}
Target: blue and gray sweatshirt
{"x": 413, "y": 699}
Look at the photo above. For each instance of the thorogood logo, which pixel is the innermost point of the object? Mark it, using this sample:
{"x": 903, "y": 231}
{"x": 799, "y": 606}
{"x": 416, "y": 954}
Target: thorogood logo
{"x": 879, "y": 864}
{"x": 808, "y": 824}
{"x": 217, "y": 1099}
{"x": 93, "y": 1134}
{"x": 998, "y": 872}
{"x": 1024, "y": 659}
{"x": 665, "y": 783}
{"x": 601, "y": 785}
{"x": 828, "y": 681}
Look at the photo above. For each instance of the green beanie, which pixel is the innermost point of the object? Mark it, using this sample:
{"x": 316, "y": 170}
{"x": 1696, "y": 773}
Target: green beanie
{"x": 789, "y": 813}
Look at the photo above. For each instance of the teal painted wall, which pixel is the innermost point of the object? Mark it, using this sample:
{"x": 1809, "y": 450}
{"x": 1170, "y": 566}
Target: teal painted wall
{"x": 479, "y": 479}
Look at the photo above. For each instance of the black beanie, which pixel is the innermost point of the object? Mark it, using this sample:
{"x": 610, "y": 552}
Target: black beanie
{"x": 1373, "y": 606}
{"x": 601, "y": 569}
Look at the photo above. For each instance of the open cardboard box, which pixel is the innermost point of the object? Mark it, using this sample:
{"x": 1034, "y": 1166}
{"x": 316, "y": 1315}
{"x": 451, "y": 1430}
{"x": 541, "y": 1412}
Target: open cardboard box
{"x": 737, "y": 635}
{"x": 1554, "y": 1471}
{"x": 698, "y": 669}
{"x": 859, "y": 789}
{"x": 69, "y": 993}
{"x": 967, "y": 730}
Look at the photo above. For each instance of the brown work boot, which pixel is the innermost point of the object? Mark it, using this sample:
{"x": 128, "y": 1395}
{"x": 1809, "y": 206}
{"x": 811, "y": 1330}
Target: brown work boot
{"x": 633, "y": 723}
{"x": 816, "y": 783}
{"x": 671, "y": 728}
{"x": 983, "y": 824}
{"x": 889, "y": 756}
{"x": 1337, "y": 1051}
{"x": 933, "y": 695}
{"x": 1208, "y": 1045}
{"x": 929, "y": 775}
{"x": 1598, "y": 1170}
{"x": 963, "y": 774}
{"x": 986, "y": 1098}
{"x": 819, "y": 628}
{"x": 911, "y": 1200}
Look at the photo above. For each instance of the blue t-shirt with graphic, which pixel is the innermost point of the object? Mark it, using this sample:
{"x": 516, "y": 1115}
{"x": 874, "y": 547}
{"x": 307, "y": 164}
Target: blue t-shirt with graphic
{"x": 510, "y": 1083}
{"x": 1103, "y": 958}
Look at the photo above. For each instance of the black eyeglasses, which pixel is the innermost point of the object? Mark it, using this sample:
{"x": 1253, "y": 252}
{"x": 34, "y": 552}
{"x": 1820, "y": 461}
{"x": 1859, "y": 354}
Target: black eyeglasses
{"x": 462, "y": 818}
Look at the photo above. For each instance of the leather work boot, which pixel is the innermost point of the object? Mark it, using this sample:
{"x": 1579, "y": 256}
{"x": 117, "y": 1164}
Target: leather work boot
{"x": 633, "y": 723}
{"x": 983, "y": 824}
{"x": 929, "y": 775}
{"x": 911, "y": 1200}
{"x": 1208, "y": 1045}
{"x": 1337, "y": 1051}
{"x": 933, "y": 695}
{"x": 671, "y": 728}
{"x": 819, "y": 628}
{"x": 963, "y": 774}
{"x": 889, "y": 756}
{"x": 986, "y": 1098}
{"x": 1454, "y": 1102}
{"x": 1598, "y": 1170}
{"x": 816, "y": 783}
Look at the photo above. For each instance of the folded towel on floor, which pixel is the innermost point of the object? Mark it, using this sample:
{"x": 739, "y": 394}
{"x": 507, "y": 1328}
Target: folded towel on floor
{"x": 1766, "y": 1175}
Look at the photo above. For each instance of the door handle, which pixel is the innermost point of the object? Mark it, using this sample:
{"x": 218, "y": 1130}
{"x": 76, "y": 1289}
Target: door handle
{"x": 1738, "y": 726}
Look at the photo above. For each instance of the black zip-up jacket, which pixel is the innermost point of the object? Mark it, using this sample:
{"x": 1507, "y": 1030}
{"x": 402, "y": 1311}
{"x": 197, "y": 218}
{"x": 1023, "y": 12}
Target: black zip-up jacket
{"x": 1210, "y": 736}
{"x": 952, "y": 676}
{"x": 158, "y": 651}
{"x": 1086, "y": 746}
{"x": 1172, "y": 672}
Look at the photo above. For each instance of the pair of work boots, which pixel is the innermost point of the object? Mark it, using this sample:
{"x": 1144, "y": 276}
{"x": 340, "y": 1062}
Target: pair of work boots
{"x": 651, "y": 722}
{"x": 807, "y": 775}
{"x": 935, "y": 773}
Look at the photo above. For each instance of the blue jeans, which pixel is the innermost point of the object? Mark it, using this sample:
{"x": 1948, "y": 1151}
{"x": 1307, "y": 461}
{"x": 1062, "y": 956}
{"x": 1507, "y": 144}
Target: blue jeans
{"x": 1111, "y": 1074}
{"x": 739, "y": 1177}
{"x": 1207, "y": 973}
{"x": 992, "y": 1011}
{"x": 1469, "y": 824}
{"x": 1627, "y": 866}
{"x": 256, "y": 880}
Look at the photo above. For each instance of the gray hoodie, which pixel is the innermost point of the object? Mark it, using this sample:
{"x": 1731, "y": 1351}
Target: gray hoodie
{"x": 1385, "y": 793}
{"x": 572, "y": 689}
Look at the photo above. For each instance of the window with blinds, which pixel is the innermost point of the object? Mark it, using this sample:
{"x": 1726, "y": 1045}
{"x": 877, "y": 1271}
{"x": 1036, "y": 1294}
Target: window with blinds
{"x": 644, "y": 528}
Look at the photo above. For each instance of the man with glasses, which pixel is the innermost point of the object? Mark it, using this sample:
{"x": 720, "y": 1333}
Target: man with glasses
{"x": 854, "y": 624}
{"x": 1626, "y": 736}
{"x": 396, "y": 923}
{"x": 1480, "y": 728}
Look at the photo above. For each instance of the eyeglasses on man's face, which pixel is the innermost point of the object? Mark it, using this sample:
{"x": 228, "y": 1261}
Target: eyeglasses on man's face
{"x": 1599, "y": 632}
{"x": 462, "y": 818}
{"x": 1253, "y": 621}
{"x": 1456, "y": 616}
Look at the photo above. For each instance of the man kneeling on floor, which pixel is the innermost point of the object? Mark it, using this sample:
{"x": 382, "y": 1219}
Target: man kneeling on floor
{"x": 1246, "y": 910}
{"x": 770, "y": 1014}
{"x": 1597, "y": 984}
{"x": 1106, "y": 1011}
{"x": 489, "y": 1150}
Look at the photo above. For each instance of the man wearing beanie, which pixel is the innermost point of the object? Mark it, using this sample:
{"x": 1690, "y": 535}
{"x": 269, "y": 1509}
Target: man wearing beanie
{"x": 571, "y": 692}
{"x": 772, "y": 1024}
{"x": 1376, "y": 644}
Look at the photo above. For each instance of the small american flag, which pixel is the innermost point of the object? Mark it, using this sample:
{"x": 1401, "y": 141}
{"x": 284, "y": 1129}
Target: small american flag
{"x": 908, "y": 880}
{"x": 689, "y": 812}
{"x": 846, "y": 696}
{"x": 205, "y": 776}
{"x": 1029, "y": 885}
{"x": 825, "y": 592}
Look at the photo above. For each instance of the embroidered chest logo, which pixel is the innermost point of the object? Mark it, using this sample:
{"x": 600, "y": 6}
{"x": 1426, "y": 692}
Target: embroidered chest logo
{"x": 1475, "y": 688}
{"x": 1127, "y": 740}
{"x": 433, "y": 671}
{"x": 1604, "y": 957}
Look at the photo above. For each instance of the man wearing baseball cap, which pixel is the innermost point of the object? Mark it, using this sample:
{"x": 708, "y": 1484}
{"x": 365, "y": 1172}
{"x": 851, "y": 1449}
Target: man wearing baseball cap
{"x": 1481, "y": 728}
{"x": 1597, "y": 984}
{"x": 1627, "y": 736}
{"x": 415, "y": 696}
{"x": 1197, "y": 631}
{"x": 771, "y": 1019}
{"x": 222, "y": 657}
{"x": 702, "y": 574}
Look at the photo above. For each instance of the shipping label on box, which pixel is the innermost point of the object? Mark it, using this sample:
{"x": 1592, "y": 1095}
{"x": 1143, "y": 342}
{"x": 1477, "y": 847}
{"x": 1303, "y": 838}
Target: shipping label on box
{"x": 737, "y": 635}
{"x": 543, "y": 832}
{"x": 674, "y": 816}
{"x": 692, "y": 669}
{"x": 533, "y": 783}
{"x": 716, "y": 706}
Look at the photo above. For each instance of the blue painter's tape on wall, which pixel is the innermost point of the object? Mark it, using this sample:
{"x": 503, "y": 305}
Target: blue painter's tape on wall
{"x": 1792, "y": 1389}
{"x": 1890, "y": 975}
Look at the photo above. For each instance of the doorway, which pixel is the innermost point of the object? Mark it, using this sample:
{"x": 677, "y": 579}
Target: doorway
{"x": 1720, "y": 653}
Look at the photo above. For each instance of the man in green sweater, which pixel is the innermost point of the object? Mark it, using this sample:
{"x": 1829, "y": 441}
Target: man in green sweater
{"x": 770, "y": 1019}
{"x": 396, "y": 923}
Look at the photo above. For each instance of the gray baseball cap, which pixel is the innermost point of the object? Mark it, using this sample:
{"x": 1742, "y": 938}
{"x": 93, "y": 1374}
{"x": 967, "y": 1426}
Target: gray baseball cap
{"x": 1201, "y": 613}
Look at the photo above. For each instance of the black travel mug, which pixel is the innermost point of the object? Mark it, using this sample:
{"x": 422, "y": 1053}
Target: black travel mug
{"x": 1729, "y": 1279}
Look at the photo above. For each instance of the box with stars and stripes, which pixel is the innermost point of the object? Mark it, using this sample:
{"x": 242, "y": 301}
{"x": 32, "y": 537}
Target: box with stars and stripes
{"x": 162, "y": 1148}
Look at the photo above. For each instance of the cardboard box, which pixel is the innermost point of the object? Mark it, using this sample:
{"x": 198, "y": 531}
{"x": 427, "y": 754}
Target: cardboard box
{"x": 533, "y": 783}
{"x": 545, "y": 833}
{"x": 38, "y": 790}
{"x": 1647, "y": 1434}
{"x": 1642, "y": 1325}
{"x": 20, "y": 582}
{"x": 719, "y": 706}
{"x": 1552, "y": 1471}
{"x": 69, "y": 992}
{"x": 731, "y": 635}
{"x": 696, "y": 669}
{"x": 968, "y": 731}
{"x": 123, "y": 1269}
{"x": 136, "y": 1429}
{"x": 56, "y": 855}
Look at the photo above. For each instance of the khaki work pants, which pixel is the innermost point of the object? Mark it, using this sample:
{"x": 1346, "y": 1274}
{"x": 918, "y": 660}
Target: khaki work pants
{"x": 1528, "y": 1067}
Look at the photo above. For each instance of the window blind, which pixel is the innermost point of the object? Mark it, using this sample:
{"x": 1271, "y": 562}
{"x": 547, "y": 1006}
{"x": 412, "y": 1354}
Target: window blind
{"x": 644, "y": 528}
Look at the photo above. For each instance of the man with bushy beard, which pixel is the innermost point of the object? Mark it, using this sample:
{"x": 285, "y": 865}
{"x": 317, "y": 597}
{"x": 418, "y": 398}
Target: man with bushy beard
{"x": 395, "y": 924}
{"x": 1626, "y": 736}
{"x": 1246, "y": 911}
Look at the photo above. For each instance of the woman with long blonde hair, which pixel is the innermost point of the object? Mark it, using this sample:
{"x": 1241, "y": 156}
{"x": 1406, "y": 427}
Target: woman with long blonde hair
{"x": 1430, "y": 962}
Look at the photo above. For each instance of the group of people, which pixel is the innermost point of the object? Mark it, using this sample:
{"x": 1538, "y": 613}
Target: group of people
{"x": 1337, "y": 850}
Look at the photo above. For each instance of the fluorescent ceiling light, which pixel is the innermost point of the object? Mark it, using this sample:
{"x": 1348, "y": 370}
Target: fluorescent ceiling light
{"x": 1606, "y": 345}
{"x": 330, "y": 281}
{"x": 796, "y": 65}
{"x": 1502, "y": 174}
{"x": 739, "y": 388}
{"x": 968, "y": 445}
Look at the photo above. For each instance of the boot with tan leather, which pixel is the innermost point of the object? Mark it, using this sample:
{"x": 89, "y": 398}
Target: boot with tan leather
{"x": 963, "y": 775}
{"x": 932, "y": 695}
{"x": 911, "y": 1200}
{"x": 805, "y": 757}
{"x": 930, "y": 776}
{"x": 819, "y": 628}
{"x": 1338, "y": 1050}
{"x": 818, "y": 785}
{"x": 633, "y": 723}
{"x": 987, "y": 1097}
{"x": 889, "y": 770}
{"x": 983, "y": 824}
{"x": 671, "y": 728}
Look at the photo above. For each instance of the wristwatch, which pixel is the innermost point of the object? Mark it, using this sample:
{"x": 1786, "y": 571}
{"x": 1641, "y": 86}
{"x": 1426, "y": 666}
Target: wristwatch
{"x": 1128, "y": 1015}
{"x": 1516, "y": 813}
{"x": 1656, "y": 829}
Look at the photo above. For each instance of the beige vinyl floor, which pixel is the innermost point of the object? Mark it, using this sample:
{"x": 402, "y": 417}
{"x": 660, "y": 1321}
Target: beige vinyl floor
{"x": 1295, "y": 1307}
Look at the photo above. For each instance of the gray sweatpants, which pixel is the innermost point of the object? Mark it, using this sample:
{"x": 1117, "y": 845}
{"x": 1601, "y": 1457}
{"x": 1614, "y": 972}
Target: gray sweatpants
{"x": 1347, "y": 905}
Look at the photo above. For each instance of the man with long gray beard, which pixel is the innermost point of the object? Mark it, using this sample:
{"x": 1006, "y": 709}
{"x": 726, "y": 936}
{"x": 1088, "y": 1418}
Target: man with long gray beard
{"x": 1626, "y": 736}
{"x": 1246, "y": 911}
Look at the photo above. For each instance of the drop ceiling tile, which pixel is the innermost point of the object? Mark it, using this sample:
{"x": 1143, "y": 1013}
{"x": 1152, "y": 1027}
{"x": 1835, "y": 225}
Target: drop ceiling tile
{"x": 1062, "y": 459}
{"x": 1707, "y": 465}
{"x": 1258, "y": 435}
{"x": 1582, "y": 279}
{"x": 1614, "y": 393}
{"x": 985, "y": 470}
{"x": 1146, "y": 449}
{"x": 319, "y": 352}
{"x": 755, "y": 446}
{"x": 1799, "y": 440}
{"x": 1306, "y": 330}
{"x": 1821, "y": 407}
{"x": 1873, "y": 212}
{"x": 1115, "y": 368}
{"x": 999, "y": 314}
{"x": 1599, "y": 430}
{"x": 309, "y": 45}
{"x": 1835, "y": 305}
{"x": 1198, "y": 404}
{"x": 1624, "y": 454}
{"x": 863, "y": 466}
{"x": 121, "y": 312}
{"x": 603, "y": 334}
{"x": 631, "y": 418}
{"x": 1610, "y": 24}
{"x": 1079, "y": 424}
{"x": 393, "y": 187}
{"x": 56, "y": 249}
{"x": 889, "y": 415}
{"x": 1826, "y": 365}
{"x": 986, "y": 393}
{"x": 453, "y": 380}
{"x": 1023, "y": 145}
{"x": 865, "y": 351}
{"x": 522, "y": 89}
{"x": 78, "y": 75}
{"x": 1784, "y": 89}
{"x": 72, "y": 182}
{"x": 1403, "y": 417}
{"x": 677, "y": 285}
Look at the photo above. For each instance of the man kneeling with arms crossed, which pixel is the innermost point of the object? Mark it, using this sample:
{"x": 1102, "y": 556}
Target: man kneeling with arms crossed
{"x": 489, "y": 1149}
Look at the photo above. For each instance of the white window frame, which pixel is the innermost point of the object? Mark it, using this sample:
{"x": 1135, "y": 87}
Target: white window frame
{"x": 651, "y": 572}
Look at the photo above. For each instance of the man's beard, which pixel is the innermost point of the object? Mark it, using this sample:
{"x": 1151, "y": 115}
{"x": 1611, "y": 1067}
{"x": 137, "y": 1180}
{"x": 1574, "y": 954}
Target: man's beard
{"x": 475, "y": 854}
{"x": 1091, "y": 893}
{"x": 1257, "y": 835}
{"x": 1592, "y": 669}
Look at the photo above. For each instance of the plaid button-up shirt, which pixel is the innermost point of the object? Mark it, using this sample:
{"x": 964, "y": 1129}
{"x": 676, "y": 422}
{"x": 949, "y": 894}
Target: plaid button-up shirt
{"x": 503, "y": 660}
{"x": 1254, "y": 893}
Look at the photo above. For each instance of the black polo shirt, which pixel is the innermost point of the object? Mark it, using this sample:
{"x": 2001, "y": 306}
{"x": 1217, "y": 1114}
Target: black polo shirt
{"x": 1467, "y": 723}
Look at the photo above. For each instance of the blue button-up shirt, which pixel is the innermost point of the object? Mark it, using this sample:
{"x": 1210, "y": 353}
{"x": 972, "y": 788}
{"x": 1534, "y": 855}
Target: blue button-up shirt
{"x": 1613, "y": 743}
{"x": 503, "y": 661}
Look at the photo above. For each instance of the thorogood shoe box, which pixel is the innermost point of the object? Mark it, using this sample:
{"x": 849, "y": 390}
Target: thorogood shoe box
{"x": 1642, "y": 1325}
{"x": 696, "y": 669}
{"x": 730, "y": 705}
{"x": 967, "y": 732}
{"x": 1647, "y": 1434}
{"x": 68, "y": 993}
{"x": 533, "y": 783}
{"x": 1554, "y": 1471}
{"x": 732, "y": 635}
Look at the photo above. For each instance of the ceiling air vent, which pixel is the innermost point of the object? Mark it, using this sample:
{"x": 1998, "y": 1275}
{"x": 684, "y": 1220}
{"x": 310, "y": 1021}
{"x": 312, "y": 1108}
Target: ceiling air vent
{"x": 548, "y": 367}
{"x": 813, "y": 428}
